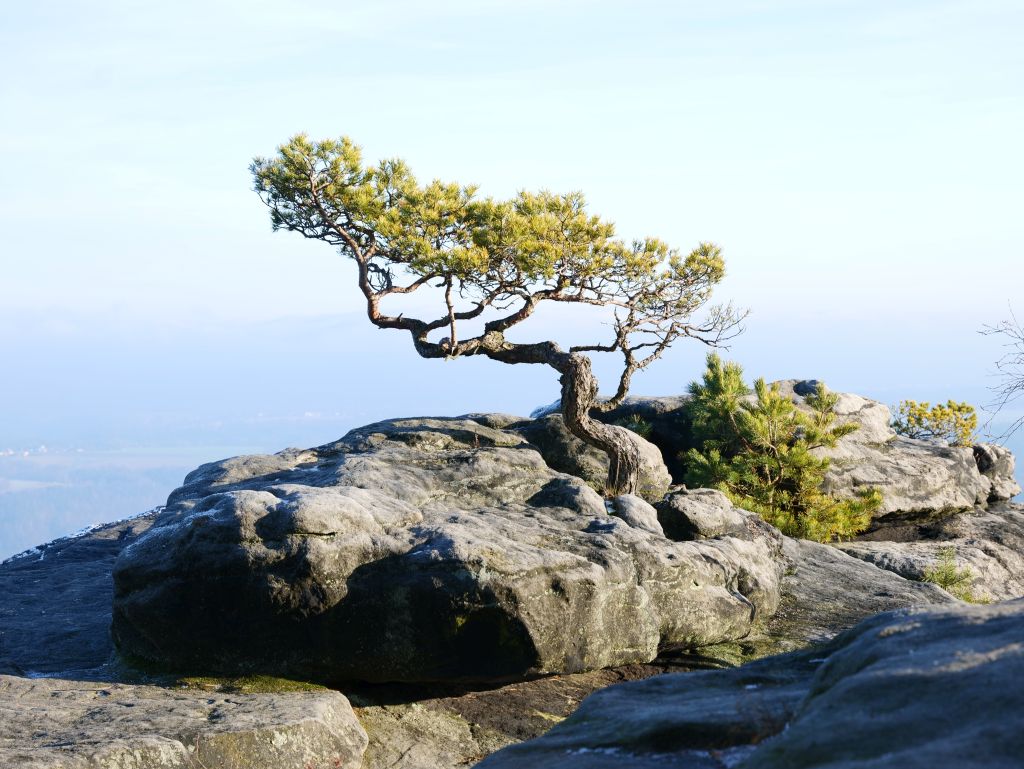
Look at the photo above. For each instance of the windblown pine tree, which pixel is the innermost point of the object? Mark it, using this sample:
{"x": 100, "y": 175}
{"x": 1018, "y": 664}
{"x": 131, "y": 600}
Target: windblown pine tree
{"x": 493, "y": 262}
{"x": 760, "y": 451}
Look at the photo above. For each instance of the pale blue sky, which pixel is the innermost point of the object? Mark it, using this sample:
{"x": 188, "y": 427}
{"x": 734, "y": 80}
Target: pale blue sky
{"x": 859, "y": 162}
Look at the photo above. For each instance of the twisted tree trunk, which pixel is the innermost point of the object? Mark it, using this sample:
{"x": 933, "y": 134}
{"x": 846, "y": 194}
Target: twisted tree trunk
{"x": 579, "y": 396}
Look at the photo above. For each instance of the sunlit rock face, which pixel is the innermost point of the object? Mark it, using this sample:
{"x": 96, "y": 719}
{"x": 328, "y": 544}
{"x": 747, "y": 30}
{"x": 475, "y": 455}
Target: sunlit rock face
{"x": 422, "y": 550}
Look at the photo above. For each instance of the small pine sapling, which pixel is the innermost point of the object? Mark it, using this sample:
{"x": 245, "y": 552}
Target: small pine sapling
{"x": 759, "y": 450}
{"x": 955, "y": 581}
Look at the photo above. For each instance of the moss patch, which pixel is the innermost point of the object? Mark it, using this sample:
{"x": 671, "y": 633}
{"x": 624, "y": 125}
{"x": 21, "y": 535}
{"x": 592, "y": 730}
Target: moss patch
{"x": 256, "y": 684}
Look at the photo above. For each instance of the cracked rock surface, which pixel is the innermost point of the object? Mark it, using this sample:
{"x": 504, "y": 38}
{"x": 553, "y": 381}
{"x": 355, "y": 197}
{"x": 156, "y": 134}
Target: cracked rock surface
{"x": 927, "y": 687}
{"x": 69, "y": 724}
{"x": 421, "y": 550}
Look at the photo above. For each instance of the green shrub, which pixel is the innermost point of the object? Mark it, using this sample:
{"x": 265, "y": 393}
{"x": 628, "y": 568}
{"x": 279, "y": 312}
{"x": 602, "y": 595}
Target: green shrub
{"x": 759, "y": 452}
{"x": 956, "y": 582}
{"x": 952, "y": 422}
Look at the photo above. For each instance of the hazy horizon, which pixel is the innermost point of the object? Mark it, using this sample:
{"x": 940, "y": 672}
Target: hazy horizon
{"x": 859, "y": 164}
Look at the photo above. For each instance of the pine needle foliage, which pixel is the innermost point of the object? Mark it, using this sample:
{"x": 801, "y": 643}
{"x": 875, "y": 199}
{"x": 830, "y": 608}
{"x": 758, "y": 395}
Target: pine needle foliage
{"x": 952, "y": 422}
{"x": 955, "y": 581}
{"x": 758, "y": 448}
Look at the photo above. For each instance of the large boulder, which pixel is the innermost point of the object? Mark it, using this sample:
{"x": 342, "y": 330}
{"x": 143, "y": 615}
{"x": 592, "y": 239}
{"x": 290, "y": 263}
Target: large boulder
{"x": 566, "y": 453}
{"x": 937, "y": 686}
{"x": 55, "y": 608}
{"x": 700, "y": 514}
{"x": 918, "y": 479}
{"x": 997, "y": 464}
{"x": 419, "y": 550}
{"x": 666, "y": 416}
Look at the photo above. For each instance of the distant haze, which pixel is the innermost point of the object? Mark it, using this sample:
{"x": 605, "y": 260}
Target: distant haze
{"x": 859, "y": 163}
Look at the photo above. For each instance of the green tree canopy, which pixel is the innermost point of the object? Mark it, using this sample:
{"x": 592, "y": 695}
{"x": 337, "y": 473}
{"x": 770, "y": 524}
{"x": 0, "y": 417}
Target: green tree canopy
{"x": 497, "y": 261}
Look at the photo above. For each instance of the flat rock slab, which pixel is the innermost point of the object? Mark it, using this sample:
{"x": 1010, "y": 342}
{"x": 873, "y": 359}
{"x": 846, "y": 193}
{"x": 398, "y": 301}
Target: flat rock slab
{"x": 55, "y": 601}
{"x": 987, "y": 547}
{"x": 825, "y": 591}
{"x": 69, "y": 724}
{"x": 927, "y": 687}
{"x": 420, "y": 729}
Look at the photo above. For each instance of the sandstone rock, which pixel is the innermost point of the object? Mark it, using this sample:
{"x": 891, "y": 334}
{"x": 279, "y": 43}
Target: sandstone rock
{"x": 997, "y": 464}
{"x": 429, "y": 728}
{"x": 55, "y": 605}
{"x": 419, "y": 550}
{"x": 563, "y": 451}
{"x": 637, "y": 513}
{"x": 55, "y": 601}
{"x": 670, "y": 424}
{"x": 873, "y": 418}
{"x": 700, "y": 514}
{"x": 67, "y": 724}
{"x": 566, "y": 453}
{"x": 918, "y": 479}
{"x": 990, "y": 544}
{"x": 825, "y": 591}
{"x": 936, "y": 686}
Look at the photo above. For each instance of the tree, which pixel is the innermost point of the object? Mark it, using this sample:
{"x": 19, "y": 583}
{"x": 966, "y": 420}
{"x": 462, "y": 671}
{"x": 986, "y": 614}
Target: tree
{"x": 952, "y": 422}
{"x": 1009, "y": 369}
{"x": 493, "y": 262}
{"x": 759, "y": 451}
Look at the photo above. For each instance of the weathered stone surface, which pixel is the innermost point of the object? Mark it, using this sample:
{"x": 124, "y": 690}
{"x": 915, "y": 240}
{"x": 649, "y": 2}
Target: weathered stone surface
{"x": 936, "y": 686}
{"x": 566, "y": 453}
{"x": 637, "y": 513}
{"x": 419, "y": 550}
{"x": 990, "y": 544}
{"x": 700, "y": 514}
{"x": 826, "y": 591}
{"x": 55, "y": 610}
{"x": 918, "y": 479}
{"x": 669, "y": 422}
{"x": 96, "y": 725}
{"x": 432, "y": 728}
{"x": 65, "y": 588}
{"x": 55, "y": 601}
{"x": 998, "y": 465}
{"x": 873, "y": 418}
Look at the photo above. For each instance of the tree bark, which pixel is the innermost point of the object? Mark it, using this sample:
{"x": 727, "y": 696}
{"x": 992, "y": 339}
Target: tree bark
{"x": 579, "y": 396}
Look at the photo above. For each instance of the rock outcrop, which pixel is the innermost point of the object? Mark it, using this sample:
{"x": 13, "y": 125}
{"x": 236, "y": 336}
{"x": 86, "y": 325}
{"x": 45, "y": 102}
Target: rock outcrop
{"x": 566, "y": 453}
{"x": 421, "y": 550}
{"x": 987, "y": 546}
{"x": 997, "y": 464}
{"x": 456, "y": 554}
{"x": 67, "y": 724}
{"x": 918, "y": 479}
{"x": 921, "y": 687}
